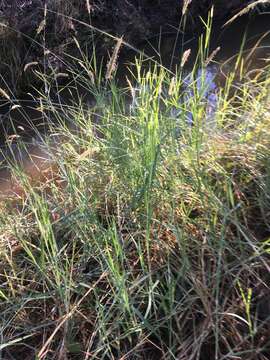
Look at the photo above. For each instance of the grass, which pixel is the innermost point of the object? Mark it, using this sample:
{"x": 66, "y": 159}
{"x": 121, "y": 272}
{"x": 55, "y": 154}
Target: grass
{"x": 147, "y": 237}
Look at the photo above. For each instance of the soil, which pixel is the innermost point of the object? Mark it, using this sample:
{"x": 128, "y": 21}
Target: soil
{"x": 29, "y": 28}
{"x": 136, "y": 19}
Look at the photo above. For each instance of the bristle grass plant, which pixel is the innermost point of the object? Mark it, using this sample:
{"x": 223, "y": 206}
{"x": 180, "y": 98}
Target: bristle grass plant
{"x": 150, "y": 237}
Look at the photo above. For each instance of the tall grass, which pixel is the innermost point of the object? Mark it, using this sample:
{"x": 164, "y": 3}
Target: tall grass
{"x": 149, "y": 237}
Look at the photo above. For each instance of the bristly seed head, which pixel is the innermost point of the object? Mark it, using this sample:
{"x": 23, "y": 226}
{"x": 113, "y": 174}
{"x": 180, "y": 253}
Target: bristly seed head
{"x": 185, "y": 57}
{"x": 111, "y": 66}
{"x": 212, "y": 56}
{"x": 185, "y": 6}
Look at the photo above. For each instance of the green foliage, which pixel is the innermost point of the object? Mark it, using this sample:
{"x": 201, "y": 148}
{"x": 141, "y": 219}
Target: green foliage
{"x": 150, "y": 239}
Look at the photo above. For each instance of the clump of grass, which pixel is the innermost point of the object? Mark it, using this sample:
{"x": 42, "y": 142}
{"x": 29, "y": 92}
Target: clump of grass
{"x": 151, "y": 240}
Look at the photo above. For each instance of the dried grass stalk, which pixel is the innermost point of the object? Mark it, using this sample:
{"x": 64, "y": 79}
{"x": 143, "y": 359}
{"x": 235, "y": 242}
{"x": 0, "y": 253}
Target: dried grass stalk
{"x": 246, "y": 10}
